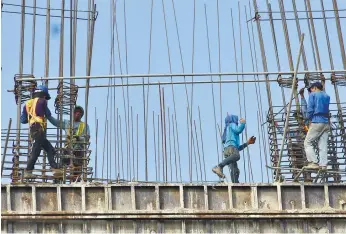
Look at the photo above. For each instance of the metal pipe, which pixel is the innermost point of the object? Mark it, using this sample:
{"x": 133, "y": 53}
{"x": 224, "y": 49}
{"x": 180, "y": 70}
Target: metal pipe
{"x": 290, "y": 105}
{"x": 338, "y": 26}
{"x": 299, "y": 33}
{"x": 119, "y": 76}
{"x": 5, "y": 147}
{"x": 314, "y": 35}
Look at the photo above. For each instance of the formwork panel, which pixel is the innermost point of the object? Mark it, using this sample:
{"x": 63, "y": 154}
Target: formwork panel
{"x": 169, "y": 197}
{"x": 267, "y": 198}
{"x": 73, "y": 226}
{"x": 145, "y": 198}
{"x": 291, "y": 197}
{"x": 21, "y": 199}
{"x": 194, "y": 197}
{"x": 294, "y": 226}
{"x": 317, "y": 226}
{"x": 95, "y": 199}
{"x": 338, "y": 225}
{"x": 71, "y": 199}
{"x": 314, "y": 197}
{"x": 218, "y": 198}
{"x": 337, "y": 197}
{"x": 196, "y": 226}
{"x": 24, "y": 227}
{"x": 123, "y": 226}
{"x": 146, "y": 226}
{"x": 121, "y": 198}
{"x": 98, "y": 226}
{"x": 3, "y": 199}
{"x": 270, "y": 225}
{"x": 172, "y": 226}
{"x": 241, "y": 197}
{"x": 221, "y": 226}
{"x": 46, "y": 199}
{"x": 244, "y": 226}
{"x": 48, "y": 227}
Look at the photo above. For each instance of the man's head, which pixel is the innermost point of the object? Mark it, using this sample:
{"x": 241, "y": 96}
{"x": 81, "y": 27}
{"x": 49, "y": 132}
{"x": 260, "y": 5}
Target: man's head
{"x": 78, "y": 113}
{"x": 315, "y": 87}
{"x": 42, "y": 92}
{"x": 231, "y": 119}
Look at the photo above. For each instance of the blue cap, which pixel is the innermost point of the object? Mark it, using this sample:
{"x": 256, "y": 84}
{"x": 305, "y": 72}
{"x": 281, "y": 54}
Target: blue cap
{"x": 44, "y": 89}
{"x": 315, "y": 85}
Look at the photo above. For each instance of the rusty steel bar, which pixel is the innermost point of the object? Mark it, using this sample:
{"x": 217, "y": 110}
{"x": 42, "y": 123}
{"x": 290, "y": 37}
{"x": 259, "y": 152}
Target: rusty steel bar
{"x": 5, "y": 148}
{"x": 290, "y": 104}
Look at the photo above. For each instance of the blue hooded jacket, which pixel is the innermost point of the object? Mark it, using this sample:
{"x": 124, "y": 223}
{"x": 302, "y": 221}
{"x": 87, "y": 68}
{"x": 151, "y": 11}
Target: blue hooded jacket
{"x": 232, "y": 131}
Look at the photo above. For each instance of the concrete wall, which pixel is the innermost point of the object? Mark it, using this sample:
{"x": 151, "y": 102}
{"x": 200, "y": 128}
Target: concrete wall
{"x": 171, "y": 208}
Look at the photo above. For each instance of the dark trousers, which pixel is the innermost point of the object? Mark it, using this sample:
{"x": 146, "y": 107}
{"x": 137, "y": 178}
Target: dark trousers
{"x": 232, "y": 156}
{"x": 39, "y": 141}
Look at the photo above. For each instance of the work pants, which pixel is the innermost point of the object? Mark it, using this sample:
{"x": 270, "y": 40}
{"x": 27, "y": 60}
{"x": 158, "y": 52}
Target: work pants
{"x": 317, "y": 132}
{"x": 232, "y": 156}
{"x": 39, "y": 141}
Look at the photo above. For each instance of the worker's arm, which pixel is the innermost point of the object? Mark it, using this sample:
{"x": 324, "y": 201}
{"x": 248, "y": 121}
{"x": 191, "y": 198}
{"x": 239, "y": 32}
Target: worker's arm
{"x": 250, "y": 141}
{"x": 238, "y": 129}
{"x": 24, "y": 116}
{"x": 57, "y": 123}
{"x": 304, "y": 106}
{"x": 311, "y": 106}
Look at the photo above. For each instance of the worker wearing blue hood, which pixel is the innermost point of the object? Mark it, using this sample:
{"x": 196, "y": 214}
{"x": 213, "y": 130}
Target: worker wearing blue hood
{"x": 231, "y": 143}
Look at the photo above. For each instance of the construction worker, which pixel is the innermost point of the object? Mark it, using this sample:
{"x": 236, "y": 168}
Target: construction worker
{"x": 318, "y": 114}
{"x": 34, "y": 113}
{"x": 230, "y": 139}
{"x": 80, "y": 135}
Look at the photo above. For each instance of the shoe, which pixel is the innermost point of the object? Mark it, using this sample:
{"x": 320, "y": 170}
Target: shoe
{"x": 218, "y": 171}
{"x": 313, "y": 166}
{"x": 29, "y": 175}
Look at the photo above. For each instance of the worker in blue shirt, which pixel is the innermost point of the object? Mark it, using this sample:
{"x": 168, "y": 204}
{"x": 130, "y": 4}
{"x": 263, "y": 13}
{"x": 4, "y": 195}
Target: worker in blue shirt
{"x": 318, "y": 114}
{"x": 230, "y": 140}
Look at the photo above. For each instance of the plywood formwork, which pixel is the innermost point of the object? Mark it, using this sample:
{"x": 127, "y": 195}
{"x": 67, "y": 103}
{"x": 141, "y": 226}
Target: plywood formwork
{"x": 171, "y": 208}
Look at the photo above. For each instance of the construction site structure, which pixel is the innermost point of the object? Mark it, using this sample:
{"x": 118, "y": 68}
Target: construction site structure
{"x": 154, "y": 172}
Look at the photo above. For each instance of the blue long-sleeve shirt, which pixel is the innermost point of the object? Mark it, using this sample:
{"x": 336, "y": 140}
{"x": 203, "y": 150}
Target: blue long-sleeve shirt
{"x": 318, "y": 107}
{"x": 232, "y": 135}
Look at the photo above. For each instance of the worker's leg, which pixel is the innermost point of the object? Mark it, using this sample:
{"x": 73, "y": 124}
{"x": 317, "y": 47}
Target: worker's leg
{"x": 234, "y": 172}
{"x": 323, "y": 146}
{"x": 47, "y": 146}
{"x": 232, "y": 156}
{"x": 37, "y": 138}
{"x": 314, "y": 133}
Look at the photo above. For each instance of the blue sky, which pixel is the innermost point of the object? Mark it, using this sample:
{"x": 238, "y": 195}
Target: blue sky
{"x": 138, "y": 34}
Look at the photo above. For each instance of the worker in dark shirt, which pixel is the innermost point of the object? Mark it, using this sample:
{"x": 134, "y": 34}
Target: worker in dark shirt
{"x": 35, "y": 113}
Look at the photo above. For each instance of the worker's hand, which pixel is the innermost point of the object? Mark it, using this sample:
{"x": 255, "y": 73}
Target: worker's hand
{"x": 251, "y": 140}
{"x": 301, "y": 91}
{"x": 242, "y": 120}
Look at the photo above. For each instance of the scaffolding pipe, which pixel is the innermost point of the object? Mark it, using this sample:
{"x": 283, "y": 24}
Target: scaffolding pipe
{"x": 290, "y": 105}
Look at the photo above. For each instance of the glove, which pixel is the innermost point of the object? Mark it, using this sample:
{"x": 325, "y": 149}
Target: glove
{"x": 251, "y": 140}
{"x": 48, "y": 113}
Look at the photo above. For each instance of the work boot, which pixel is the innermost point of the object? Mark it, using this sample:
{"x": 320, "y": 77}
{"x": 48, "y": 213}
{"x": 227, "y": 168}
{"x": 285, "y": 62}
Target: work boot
{"x": 313, "y": 166}
{"x": 218, "y": 171}
{"x": 29, "y": 175}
